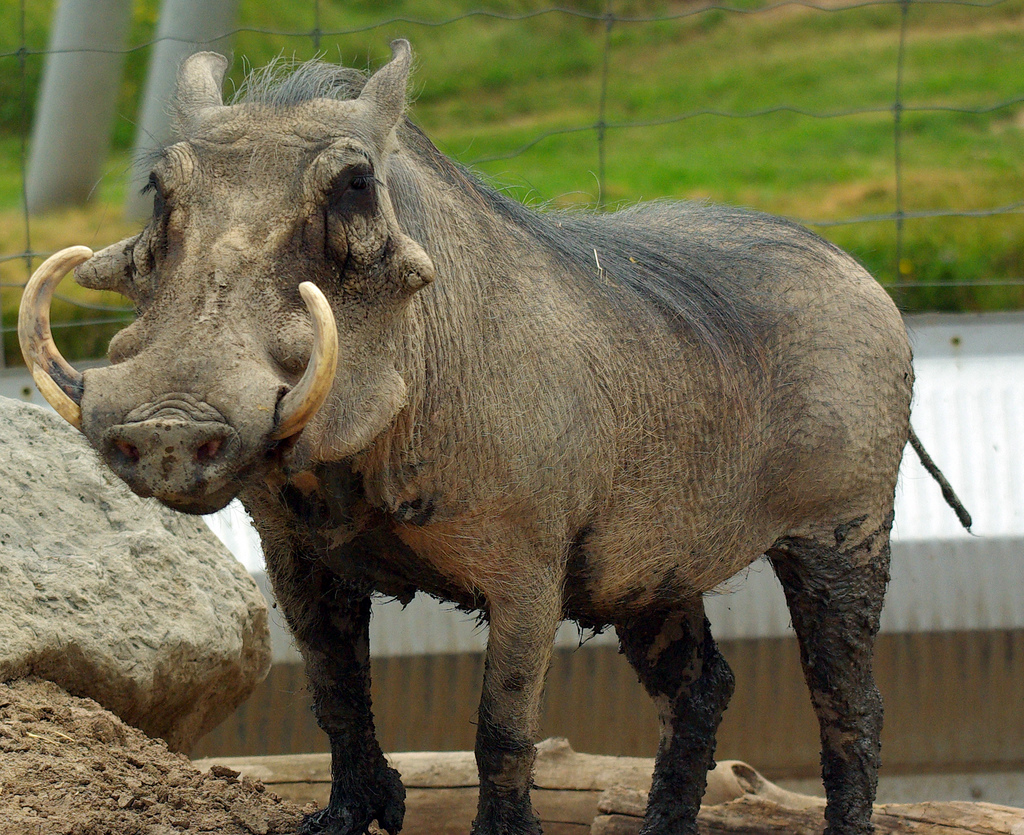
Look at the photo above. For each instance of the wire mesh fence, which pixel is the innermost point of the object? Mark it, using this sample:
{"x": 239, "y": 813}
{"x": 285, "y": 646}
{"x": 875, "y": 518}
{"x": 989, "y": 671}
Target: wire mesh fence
{"x": 613, "y": 102}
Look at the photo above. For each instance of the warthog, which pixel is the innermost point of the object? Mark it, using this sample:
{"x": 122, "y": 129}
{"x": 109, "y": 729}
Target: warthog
{"x": 537, "y": 416}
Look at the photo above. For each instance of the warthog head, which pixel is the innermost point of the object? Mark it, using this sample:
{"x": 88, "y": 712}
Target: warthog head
{"x": 270, "y": 285}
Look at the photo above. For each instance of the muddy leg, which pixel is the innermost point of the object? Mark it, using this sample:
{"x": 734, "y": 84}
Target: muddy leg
{"x": 681, "y": 668}
{"x": 519, "y": 644}
{"x": 330, "y": 621}
{"x": 835, "y": 590}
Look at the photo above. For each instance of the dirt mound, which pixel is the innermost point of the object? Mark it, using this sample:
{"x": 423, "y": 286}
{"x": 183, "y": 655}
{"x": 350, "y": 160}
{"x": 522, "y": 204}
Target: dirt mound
{"x": 69, "y": 767}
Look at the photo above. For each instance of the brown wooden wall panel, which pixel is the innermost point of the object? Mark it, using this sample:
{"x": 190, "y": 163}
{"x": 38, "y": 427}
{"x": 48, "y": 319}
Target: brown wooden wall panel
{"x": 952, "y": 705}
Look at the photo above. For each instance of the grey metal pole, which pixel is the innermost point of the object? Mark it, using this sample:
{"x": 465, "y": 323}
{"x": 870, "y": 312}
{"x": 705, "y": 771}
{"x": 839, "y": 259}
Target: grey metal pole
{"x": 74, "y": 116}
{"x": 185, "y": 26}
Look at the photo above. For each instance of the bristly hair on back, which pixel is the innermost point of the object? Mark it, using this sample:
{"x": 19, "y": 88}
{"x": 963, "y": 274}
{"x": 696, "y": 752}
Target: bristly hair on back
{"x": 704, "y": 279}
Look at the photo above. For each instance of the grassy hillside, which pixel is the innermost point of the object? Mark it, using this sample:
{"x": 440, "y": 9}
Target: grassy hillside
{"x": 486, "y": 88}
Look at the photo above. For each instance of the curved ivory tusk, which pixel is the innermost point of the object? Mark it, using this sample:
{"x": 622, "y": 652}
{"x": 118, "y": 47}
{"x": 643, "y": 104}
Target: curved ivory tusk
{"x": 58, "y": 381}
{"x": 300, "y": 404}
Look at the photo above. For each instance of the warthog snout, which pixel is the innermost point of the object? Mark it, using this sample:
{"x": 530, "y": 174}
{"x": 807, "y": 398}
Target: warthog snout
{"x": 176, "y": 459}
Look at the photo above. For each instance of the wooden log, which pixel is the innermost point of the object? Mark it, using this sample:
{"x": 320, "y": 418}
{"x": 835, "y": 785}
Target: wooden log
{"x": 756, "y": 816}
{"x": 763, "y": 808}
{"x": 558, "y": 767}
{"x": 441, "y": 787}
{"x": 577, "y": 794}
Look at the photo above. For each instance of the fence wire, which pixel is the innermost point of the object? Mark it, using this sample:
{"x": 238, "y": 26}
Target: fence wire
{"x": 600, "y": 126}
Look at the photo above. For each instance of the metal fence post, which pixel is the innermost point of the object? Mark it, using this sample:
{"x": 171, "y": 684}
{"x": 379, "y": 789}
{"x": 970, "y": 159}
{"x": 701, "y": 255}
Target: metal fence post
{"x": 78, "y": 95}
{"x": 185, "y": 26}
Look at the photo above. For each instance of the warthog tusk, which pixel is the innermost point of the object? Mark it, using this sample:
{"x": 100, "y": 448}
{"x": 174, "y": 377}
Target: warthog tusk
{"x": 58, "y": 381}
{"x": 300, "y": 404}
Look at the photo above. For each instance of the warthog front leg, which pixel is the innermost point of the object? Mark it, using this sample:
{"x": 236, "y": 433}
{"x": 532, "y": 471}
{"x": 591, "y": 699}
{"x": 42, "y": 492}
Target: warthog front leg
{"x": 835, "y": 594}
{"x": 363, "y": 787}
{"x": 518, "y": 654}
{"x": 680, "y": 666}
{"x": 330, "y": 622}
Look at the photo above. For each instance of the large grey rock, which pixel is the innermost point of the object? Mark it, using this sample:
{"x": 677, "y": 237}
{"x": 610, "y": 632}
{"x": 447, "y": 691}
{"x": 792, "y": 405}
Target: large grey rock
{"x": 114, "y": 597}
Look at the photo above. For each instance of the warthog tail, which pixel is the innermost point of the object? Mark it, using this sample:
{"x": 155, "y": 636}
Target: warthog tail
{"x": 936, "y": 473}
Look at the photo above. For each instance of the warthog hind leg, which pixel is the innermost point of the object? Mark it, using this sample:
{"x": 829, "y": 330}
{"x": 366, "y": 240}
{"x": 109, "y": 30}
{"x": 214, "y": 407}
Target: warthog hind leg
{"x": 681, "y": 668}
{"x": 835, "y": 591}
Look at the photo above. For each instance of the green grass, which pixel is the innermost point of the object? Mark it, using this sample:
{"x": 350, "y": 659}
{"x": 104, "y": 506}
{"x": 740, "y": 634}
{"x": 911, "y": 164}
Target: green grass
{"x": 485, "y": 87}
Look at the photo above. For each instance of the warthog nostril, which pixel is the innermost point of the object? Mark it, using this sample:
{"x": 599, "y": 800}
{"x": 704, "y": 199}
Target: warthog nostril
{"x": 208, "y": 451}
{"x": 129, "y": 452}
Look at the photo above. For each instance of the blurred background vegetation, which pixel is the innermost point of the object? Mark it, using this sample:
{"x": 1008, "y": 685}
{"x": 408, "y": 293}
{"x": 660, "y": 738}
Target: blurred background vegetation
{"x": 788, "y": 108}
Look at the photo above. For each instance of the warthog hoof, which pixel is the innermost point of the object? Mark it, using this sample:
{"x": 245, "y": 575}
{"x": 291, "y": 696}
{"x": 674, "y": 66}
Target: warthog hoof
{"x": 383, "y": 802}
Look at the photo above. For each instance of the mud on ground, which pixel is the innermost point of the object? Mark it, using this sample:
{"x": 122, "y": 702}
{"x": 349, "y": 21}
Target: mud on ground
{"x": 69, "y": 767}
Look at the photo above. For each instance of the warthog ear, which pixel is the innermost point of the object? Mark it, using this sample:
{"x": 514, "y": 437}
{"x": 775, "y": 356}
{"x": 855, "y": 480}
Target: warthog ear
{"x": 199, "y": 81}
{"x": 384, "y": 93}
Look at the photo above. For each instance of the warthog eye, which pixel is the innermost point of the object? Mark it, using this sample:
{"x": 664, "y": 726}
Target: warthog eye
{"x": 159, "y": 201}
{"x": 152, "y": 241}
{"x": 352, "y": 190}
